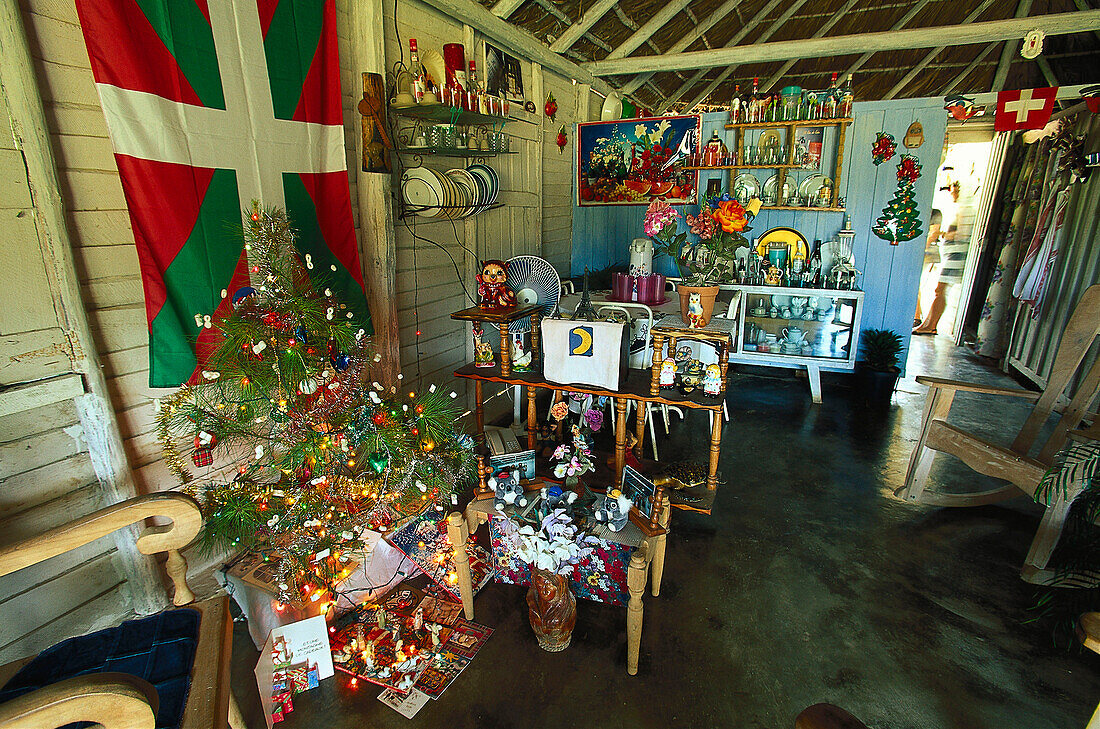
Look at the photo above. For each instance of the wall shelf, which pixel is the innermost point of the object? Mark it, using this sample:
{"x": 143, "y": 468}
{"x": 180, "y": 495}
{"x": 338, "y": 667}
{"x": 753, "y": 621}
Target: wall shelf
{"x": 740, "y": 167}
{"x": 797, "y": 123}
{"x": 803, "y": 207}
{"x": 447, "y": 114}
{"x": 444, "y": 152}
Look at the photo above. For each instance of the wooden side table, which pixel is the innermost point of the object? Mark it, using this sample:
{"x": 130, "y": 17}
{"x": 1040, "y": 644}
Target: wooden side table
{"x": 502, "y": 318}
{"x": 646, "y": 563}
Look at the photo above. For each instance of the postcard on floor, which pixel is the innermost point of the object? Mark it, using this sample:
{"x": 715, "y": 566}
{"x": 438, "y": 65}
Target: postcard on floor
{"x": 404, "y": 704}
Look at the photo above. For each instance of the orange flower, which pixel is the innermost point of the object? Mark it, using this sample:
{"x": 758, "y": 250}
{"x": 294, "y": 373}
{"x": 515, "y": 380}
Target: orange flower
{"x": 731, "y": 216}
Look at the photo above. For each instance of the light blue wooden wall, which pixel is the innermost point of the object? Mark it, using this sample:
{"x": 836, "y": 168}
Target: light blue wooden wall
{"x": 891, "y": 274}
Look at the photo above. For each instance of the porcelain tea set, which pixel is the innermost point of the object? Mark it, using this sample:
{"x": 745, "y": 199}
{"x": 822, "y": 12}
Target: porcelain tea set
{"x": 805, "y": 308}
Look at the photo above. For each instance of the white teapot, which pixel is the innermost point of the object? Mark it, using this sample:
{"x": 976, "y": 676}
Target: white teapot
{"x": 794, "y": 335}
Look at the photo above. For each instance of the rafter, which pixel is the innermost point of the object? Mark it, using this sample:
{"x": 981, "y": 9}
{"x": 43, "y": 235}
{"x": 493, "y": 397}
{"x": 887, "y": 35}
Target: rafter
{"x": 931, "y": 55}
{"x": 725, "y": 9}
{"x": 1084, "y": 5}
{"x": 825, "y": 28}
{"x": 565, "y": 20}
{"x": 1009, "y": 49}
{"x": 644, "y": 33}
{"x": 504, "y": 8}
{"x": 951, "y": 35}
{"x": 574, "y": 32}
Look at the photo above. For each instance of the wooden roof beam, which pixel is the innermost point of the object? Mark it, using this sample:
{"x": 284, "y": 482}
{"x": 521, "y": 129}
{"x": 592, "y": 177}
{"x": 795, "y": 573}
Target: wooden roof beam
{"x": 644, "y": 33}
{"x": 825, "y": 28}
{"x": 725, "y": 9}
{"x": 504, "y": 8}
{"x": 970, "y": 67}
{"x": 574, "y": 32}
{"x": 1009, "y": 50}
{"x": 553, "y": 10}
{"x": 931, "y": 55}
{"x": 1084, "y": 5}
{"x": 952, "y": 35}
{"x": 768, "y": 32}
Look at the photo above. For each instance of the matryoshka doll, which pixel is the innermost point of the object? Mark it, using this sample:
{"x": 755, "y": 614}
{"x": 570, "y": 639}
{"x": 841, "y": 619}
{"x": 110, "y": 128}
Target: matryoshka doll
{"x": 712, "y": 380}
{"x": 668, "y": 373}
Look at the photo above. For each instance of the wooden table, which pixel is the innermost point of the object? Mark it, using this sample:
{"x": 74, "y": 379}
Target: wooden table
{"x": 647, "y": 561}
{"x": 636, "y": 387}
{"x": 502, "y": 318}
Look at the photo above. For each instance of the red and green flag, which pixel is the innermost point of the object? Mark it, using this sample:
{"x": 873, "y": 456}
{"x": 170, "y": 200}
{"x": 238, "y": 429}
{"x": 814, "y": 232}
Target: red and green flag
{"x": 212, "y": 104}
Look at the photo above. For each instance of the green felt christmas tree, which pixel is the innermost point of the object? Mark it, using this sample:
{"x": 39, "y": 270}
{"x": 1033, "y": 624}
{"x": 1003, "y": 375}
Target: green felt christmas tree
{"x": 298, "y": 450}
{"x": 900, "y": 219}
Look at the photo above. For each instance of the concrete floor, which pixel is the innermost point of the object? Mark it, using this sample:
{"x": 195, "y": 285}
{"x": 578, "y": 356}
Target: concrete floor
{"x": 809, "y": 582}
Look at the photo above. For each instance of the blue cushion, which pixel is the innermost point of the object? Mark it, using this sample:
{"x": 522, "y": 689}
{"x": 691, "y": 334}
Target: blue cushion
{"x": 159, "y": 649}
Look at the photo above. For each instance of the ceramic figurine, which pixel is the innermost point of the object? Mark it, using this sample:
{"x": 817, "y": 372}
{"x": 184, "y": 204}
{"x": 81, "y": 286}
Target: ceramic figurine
{"x": 712, "y": 380}
{"x": 418, "y": 618}
{"x": 483, "y": 351}
{"x": 492, "y": 286}
{"x": 614, "y": 511}
{"x": 773, "y": 277}
{"x": 506, "y": 490}
{"x": 695, "y": 311}
{"x": 521, "y": 360}
{"x": 556, "y": 498}
{"x": 434, "y": 628}
{"x": 668, "y": 373}
{"x": 691, "y": 376}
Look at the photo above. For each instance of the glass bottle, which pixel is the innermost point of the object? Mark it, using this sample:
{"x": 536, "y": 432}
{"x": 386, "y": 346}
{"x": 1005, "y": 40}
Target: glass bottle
{"x": 815, "y": 263}
{"x": 417, "y": 72}
{"x": 847, "y": 98}
{"x": 831, "y": 99}
{"x": 756, "y": 105}
{"x": 735, "y": 105}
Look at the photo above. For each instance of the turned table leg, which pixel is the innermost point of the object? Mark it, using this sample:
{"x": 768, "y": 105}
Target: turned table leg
{"x": 532, "y": 420}
{"x": 536, "y": 353}
{"x": 505, "y": 351}
{"x": 658, "y": 566}
{"x": 724, "y": 365}
{"x": 479, "y": 413}
{"x": 555, "y": 398}
{"x": 639, "y": 425}
{"x": 635, "y": 583}
{"x": 458, "y": 532}
{"x": 658, "y": 345}
{"x": 620, "y": 439}
{"x": 715, "y": 447}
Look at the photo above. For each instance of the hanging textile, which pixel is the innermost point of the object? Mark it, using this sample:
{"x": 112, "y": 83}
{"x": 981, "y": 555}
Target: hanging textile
{"x": 211, "y": 105}
{"x": 1042, "y": 254}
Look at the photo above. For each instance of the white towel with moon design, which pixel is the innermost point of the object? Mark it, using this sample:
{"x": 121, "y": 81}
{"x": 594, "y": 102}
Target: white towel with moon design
{"x": 583, "y": 352}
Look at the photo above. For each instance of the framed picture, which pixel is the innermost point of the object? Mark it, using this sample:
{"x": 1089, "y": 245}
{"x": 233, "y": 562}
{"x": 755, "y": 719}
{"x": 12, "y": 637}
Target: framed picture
{"x": 640, "y": 490}
{"x": 524, "y": 461}
{"x": 634, "y": 161}
{"x": 503, "y": 75}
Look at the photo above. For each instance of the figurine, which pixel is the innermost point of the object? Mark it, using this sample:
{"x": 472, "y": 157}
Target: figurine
{"x": 773, "y": 276}
{"x": 695, "y": 311}
{"x": 434, "y": 629}
{"x": 506, "y": 490}
{"x": 615, "y": 510}
{"x": 668, "y": 373}
{"x": 712, "y": 380}
{"x": 492, "y": 286}
{"x": 418, "y": 618}
{"x": 691, "y": 376}
{"x": 521, "y": 360}
{"x": 483, "y": 351}
{"x": 368, "y": 656}
{"x": 556, "y": 498}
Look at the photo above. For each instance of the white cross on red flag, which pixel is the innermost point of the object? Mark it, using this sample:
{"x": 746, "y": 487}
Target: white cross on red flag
{"x": 1024, "y": 108}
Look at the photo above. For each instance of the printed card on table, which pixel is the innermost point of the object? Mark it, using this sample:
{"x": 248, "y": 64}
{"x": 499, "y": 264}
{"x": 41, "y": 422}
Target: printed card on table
{"x": 425, "y": 541}
{"x": 295, "y": 658}
{"x": 404, "y": 704}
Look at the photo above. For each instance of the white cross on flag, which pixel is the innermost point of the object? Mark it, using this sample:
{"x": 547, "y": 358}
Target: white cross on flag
{"x": 1024, "y": 109}
{"x": 212, "y": 104}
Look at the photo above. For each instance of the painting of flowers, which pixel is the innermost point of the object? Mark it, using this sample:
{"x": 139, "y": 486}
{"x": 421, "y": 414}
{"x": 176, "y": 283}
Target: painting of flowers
{"x": 636, "y": 161}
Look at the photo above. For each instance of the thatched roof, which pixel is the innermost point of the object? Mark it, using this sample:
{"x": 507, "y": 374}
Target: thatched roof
{"x": 1069, "y": 59}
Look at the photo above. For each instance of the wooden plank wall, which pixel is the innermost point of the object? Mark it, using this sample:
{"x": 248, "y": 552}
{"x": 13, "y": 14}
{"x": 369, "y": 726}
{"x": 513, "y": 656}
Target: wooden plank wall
{"x": 46, "y": 474}
{"x": 557, "y": 170}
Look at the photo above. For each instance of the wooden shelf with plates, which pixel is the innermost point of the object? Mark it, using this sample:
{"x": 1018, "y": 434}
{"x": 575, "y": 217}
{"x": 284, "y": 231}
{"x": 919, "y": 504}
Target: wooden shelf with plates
{"x": 447, "y": 114}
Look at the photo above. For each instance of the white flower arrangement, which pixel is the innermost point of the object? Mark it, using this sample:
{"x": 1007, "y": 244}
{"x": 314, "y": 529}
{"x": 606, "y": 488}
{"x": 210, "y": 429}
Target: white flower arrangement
{"x": 555, "y": 546}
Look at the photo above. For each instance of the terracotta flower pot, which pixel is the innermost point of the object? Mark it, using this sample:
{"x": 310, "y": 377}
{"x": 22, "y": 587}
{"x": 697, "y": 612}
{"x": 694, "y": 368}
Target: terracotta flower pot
{"x": 552, "y": 610}
{"x": 707, "y": 295}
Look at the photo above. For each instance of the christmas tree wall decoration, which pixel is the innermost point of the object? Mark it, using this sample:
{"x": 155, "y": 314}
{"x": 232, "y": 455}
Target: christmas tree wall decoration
{"x": 900, "y": 219}
{"x": 298, "y": 450}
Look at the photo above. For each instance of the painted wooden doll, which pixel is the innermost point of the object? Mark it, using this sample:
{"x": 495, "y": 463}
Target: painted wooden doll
{"x": 492, "y": 286}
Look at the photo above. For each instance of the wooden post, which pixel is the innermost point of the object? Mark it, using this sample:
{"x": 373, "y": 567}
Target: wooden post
{"x": 483, "y": 489}
{"x": 479, "y": 413}
{"x": 376, "y": 239}
{"x": 635, "y": 583}
{"x": 177, "y": 570}
{"x": 505, "y": 351}
{"x": 532, "y": 419}
{"x": 555, "y": 398}
{"x": 658, "y": 345}
{"x": 639, "y": 425}
{"x": 458, "y": 532}
{"x": 715, "y": 447}
{"x": 620, "y": 439}
{"x": 657, "y": 568}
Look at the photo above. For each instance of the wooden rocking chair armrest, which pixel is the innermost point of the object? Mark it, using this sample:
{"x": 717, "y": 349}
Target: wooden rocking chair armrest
{"x": 180, "y": 508}
{"x": 946, "y": 384}
{"x": 115, "y": 700}
{"x": 1088, "y": 631}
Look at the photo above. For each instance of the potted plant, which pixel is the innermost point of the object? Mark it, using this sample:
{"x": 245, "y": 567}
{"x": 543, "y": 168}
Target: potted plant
{"x": 878, "y": 366}
{"x": 551, "y": 543}
{"x": 720, "y": 226}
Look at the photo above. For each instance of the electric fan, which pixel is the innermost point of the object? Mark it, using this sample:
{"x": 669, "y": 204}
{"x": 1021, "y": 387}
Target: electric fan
{"x": 534, "y": 281}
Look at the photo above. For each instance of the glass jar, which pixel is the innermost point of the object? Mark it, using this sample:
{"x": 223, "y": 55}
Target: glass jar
{"x": 792, "y": 103}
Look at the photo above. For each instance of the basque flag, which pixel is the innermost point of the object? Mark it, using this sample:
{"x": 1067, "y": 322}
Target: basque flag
{"x": 212, "y": 104}
{"x": 1024, "y": 109}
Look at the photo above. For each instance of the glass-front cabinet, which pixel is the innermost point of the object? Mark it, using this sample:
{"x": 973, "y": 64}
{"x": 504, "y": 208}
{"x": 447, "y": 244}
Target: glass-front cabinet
{"x": 795, "y": 327}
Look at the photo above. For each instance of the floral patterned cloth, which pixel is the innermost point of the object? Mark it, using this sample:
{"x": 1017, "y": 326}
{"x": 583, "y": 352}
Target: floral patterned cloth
{"x": 600, "y": 578}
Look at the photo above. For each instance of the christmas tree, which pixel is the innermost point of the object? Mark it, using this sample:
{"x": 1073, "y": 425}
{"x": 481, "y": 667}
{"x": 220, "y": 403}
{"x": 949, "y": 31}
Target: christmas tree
{"x": 299, "y": 450}
{"x": 900, "y": 219}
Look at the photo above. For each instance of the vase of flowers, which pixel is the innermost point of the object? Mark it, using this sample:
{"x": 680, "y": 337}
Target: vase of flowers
{"x": 574, "y": 461}
{"x": 551, "y": 545}
{"x": 720, "y": 227}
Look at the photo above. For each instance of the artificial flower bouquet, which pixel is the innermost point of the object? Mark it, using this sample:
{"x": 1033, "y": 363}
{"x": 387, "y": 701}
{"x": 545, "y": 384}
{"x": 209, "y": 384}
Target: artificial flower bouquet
{"x": 720, "y": 227}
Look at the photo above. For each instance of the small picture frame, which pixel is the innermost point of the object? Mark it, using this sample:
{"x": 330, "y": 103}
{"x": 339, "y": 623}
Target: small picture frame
{"x": 641, "y": 491}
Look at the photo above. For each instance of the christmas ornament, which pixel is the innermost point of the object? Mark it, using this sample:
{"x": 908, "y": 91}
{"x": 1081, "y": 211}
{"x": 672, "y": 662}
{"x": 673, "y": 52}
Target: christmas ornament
{"x": 1033, "y": 44}
{"x": 341, "y": 361}
{"x": 962, "y": 107}
{"x": 883, "y": 148}
{"x": 914, "y": 136}
{"x": 427, "y": 444}
{"x": 378, "y": 418}
{"x": 203, "y": 457}
{"x": 275, "y": 319}
{"x": 551, "y": 107}
{"x": 205, "y": 440}
{"x": 301, "y": 335}
{"x": 1091, "y": 95}
{"x": 378, "y": 461}
{"x": 308, "y": 386}
{"x": 900, "y": 219}
{"x": 562, "y": 139}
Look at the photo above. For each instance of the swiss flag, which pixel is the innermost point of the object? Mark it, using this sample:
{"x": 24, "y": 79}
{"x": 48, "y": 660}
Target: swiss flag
{"x": 1024, "y": 109}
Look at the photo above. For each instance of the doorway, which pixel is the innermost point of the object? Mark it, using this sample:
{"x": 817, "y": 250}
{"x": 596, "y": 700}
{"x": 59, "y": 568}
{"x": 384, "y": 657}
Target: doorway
{"x": 956, "y": 228}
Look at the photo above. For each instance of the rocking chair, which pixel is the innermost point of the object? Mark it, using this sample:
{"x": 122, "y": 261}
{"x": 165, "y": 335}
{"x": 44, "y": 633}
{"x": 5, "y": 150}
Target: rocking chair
{"x": 1013, "y": 464}
{"x": 184, "y": 651}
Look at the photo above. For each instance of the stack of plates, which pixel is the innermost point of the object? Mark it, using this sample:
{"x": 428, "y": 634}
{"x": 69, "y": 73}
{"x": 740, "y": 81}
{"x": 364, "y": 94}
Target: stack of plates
{"x": 453, "y": 194}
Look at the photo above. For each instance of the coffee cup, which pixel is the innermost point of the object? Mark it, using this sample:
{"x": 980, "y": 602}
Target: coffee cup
{"x": 785, "y": 312}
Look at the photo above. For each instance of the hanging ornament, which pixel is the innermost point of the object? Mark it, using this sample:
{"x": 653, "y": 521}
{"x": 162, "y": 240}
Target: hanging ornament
{"x": 1091, "y": 94}
{"x": 914, "y": 136}
{"x": 551, "y": 107}
{"x": 883, "y": 148}
{"x": 1033, "y": 44}
{"x": 562, "y": 140}
{"x": 378, "y": 461}
{"x": 961, "y": 108}
{"x": 427, "y": 444}
{"x": 205, "y": 440}
{"x": 301, "y": 335}
{"x": 378, "y": 418}
{"x": 900, "y": 219}
{"x": 203, "y": 457}
{"x": 340, "y": 361}
{"x": 307, "y": 386}
{"x": 242, "y": 294}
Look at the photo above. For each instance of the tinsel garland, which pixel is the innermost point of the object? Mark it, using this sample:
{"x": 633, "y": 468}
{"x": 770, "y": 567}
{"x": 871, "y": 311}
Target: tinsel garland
{"x": 301, "y": 451}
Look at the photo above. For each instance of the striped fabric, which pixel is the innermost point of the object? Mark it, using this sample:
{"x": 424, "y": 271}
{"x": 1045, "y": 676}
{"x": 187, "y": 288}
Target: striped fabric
{"x": 212, "y": 104}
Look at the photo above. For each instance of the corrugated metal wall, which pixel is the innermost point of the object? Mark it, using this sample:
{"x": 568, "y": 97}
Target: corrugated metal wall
{"x": 1034, "y": 341}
